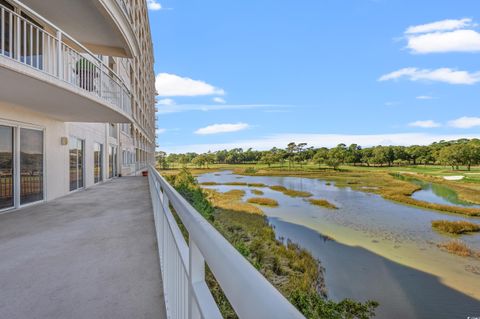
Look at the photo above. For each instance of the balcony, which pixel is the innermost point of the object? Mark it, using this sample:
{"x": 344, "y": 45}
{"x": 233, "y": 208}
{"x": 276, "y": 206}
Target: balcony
{"x": 102, "y": 253}
{"x": 103, "y": 26}
{"x": 91, "y": 254}
{"x": 49, "y": 72}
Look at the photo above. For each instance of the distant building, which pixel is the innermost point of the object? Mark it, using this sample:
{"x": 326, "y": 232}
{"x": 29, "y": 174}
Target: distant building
{"x": 77, "y": 96}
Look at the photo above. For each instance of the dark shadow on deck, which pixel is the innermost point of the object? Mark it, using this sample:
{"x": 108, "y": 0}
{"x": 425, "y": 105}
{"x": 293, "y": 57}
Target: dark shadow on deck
{"x": 91, "y": 254}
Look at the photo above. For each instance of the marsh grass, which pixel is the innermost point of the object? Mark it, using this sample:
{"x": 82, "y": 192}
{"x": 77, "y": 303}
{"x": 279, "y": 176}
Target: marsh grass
{"x": 232, "y": 201}
{"x": 257, "y": 192}
{"x": 322, "y": 202}
{"x": 264, "y": 201}
{"x": 470, "y": 211}
{"x": 455, "y": 227}
{"x": 209, "y": 183}
{"x": 235, "y": 193}
{"x": 290, "y": 192}
{"x": 458, "y": 247}
{"x": 278, "y": 188}
{"x": 256, "y": 185}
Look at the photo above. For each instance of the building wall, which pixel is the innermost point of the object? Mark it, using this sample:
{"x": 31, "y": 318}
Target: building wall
{"x": 56, "y": 156}
{"x": 135, "y": 141}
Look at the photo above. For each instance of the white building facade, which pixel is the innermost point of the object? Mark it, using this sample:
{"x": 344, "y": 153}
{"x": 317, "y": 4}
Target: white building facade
{"x": 77, "y": 96}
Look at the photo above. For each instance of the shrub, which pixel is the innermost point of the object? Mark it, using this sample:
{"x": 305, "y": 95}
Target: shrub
{"x": 314, "y": 306}
{"x": 186, "y": 185}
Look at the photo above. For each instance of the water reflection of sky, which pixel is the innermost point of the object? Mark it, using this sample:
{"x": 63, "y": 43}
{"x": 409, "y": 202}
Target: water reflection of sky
{"x": 373, "y": 265}
{"x": 364, "y": 212}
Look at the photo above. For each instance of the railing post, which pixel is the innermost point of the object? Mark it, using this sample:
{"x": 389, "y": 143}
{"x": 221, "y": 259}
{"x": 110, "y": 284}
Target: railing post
{"x": 121, "y": 96}
{"x": 196, "y": 273}
{"x": 18, "y": 38}
{"x": 100, "y": 77}
{"x": 59, "y": 55}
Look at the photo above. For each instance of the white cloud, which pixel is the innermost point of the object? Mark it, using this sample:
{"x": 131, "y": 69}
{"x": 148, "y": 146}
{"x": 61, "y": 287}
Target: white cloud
{"x": 166, "y": 102}
{"x": 445, "y": 75}
{"x": 465, "y": 122}
{"x": 441, "y": 42}
{"x": 159, "y": 131}
{"x": 153, "y": 5}
{"x": 424, "y": 124}
{"x": 444, "y": 25}
{"x": 173, "y": 85}
{"x": 424, "y": 97}
{"x": 219, "y": 100}
{"x": 222, "y": 128}
{"x": 443, "y": 36}
{"x": 319, "y": 140}
{"x": 213, "y": 107}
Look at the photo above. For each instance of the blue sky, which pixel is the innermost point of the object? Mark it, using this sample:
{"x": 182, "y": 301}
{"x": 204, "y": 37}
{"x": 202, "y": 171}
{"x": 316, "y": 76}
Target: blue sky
{"x": 263, "y": 73}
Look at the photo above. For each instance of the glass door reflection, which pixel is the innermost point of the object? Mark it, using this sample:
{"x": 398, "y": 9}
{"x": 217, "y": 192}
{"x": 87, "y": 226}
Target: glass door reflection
{"x": 6, "y": 167}
{"x": 76, "y": 163}
{"x": 31, "y": 165}
{"x": 97, "y": 162}
{"x": 112, "y": 161}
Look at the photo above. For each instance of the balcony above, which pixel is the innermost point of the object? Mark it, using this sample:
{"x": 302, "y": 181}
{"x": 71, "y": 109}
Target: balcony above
{"x": 103, "y": 26}
{"x": 49, "y": 72}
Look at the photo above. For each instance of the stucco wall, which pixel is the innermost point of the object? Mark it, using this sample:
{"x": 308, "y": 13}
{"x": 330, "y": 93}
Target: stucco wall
{"x": 56, "y": 155}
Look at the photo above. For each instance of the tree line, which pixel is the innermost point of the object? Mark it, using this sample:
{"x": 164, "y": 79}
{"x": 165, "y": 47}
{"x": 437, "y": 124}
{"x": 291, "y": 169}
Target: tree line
{"x": 456, "y": 153}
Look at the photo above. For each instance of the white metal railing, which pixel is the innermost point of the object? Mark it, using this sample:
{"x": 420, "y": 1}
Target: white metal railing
{"x": 183, "y": 265}
{"x": 59, "y": 55}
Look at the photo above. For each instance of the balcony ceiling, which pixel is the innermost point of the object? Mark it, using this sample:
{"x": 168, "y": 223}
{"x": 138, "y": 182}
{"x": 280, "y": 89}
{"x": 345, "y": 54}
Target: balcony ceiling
{"x": 44, "y": 94}
{"x": 100, "y": 25}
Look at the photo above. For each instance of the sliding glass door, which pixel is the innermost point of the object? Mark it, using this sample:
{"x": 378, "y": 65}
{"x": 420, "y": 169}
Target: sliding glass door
{"x": 21, "y": 166}
{"x": 6, "y": 167}
{"x": 31, "y": 165}
{"x": 97, "y": 162}
{"x": 76, "y": 163}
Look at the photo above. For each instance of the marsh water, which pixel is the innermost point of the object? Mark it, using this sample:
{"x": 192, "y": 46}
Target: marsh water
{"x": 372, "y": 248}
{"x": 438, "y": 194}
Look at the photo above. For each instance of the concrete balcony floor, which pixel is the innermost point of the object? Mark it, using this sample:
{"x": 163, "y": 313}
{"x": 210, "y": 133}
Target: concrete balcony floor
{"x": 91, "y": 254}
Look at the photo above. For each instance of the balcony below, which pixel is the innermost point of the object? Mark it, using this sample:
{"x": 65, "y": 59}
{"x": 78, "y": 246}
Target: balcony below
{"x": 92, "y": 254}
{"x": 49, "y": 72}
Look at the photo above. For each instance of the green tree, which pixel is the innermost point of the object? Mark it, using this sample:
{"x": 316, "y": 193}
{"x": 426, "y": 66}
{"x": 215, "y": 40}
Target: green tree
{"x": 321, "y": 156}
